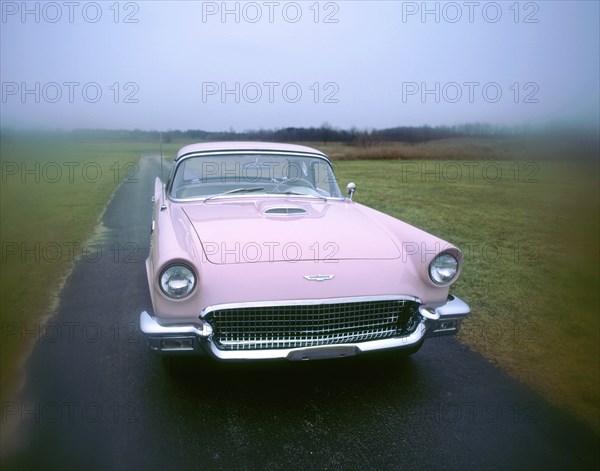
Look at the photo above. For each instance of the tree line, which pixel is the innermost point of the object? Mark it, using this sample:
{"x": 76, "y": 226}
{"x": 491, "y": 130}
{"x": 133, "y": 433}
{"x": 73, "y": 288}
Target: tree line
{"x": 325, "y": 133}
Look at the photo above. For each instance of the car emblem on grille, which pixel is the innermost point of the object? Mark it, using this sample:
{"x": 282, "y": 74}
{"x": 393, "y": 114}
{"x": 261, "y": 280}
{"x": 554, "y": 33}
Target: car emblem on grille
{"x": 318, "y": 277}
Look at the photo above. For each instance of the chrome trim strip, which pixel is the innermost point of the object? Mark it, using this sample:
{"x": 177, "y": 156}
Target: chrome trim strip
{"x": 307, "y": 302}
{"x": 294, "y": 153}
{"x": 255, "y": 195}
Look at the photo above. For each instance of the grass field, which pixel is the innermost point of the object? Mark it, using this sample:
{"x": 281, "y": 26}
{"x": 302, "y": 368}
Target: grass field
{"x": 51, "y": 195}
{"x": 528, "y": 227}
{"x": 531, "y": 260}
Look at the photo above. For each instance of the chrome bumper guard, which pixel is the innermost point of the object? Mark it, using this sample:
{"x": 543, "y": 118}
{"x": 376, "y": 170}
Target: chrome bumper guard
{"x": 447, "y": 318}
{"x": 172, "y": 339}
{"x": 196, "y": 338}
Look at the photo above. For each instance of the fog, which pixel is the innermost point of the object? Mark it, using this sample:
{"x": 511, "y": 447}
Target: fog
{"x": 253, "y": 65}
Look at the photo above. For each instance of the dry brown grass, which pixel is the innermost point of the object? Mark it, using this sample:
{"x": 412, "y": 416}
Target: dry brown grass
{"x": 464, "y": 148}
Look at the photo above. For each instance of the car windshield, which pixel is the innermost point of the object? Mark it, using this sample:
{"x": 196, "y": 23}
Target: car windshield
{"x": 239, "y": 174}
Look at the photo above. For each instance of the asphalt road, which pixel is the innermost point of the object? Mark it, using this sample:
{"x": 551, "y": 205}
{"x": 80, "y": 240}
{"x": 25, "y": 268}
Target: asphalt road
{"x": 96, "y": 398}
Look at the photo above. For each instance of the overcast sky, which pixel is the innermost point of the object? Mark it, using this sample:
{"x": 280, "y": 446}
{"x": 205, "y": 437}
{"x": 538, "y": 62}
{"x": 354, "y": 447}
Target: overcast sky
{"x": 250, "y": 65}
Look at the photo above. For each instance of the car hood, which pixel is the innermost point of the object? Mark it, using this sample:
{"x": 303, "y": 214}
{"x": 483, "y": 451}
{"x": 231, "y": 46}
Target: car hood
{"x": 247, "y": 230}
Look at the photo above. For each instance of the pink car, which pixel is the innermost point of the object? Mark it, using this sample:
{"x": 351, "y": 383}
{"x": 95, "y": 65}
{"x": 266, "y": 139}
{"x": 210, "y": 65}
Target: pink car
{"x": 256, "y": 254}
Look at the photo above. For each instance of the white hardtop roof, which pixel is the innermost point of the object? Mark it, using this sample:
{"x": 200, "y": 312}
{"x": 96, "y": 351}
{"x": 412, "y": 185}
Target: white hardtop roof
{"x": 245, "y": 145}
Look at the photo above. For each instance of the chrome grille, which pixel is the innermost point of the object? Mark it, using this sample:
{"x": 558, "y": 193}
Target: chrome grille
{"x": 296, "y": 326}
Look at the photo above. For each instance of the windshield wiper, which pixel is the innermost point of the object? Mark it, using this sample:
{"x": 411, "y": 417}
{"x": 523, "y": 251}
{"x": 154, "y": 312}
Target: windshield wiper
{"x": 287, "y": 193}
{"x": 296, "y": 193}
{"x": 237, "y": 190}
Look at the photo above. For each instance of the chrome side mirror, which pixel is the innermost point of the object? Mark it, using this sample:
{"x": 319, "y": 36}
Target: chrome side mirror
{"x": 351, "y": 188}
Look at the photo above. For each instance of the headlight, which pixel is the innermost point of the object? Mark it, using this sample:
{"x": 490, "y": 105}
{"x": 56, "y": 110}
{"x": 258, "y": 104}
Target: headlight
{"x": 177, "y": 281}
{"x": 443, "y": 268}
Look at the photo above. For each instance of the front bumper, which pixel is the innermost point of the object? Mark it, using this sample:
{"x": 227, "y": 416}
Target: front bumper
{"x": 182, "y": 339}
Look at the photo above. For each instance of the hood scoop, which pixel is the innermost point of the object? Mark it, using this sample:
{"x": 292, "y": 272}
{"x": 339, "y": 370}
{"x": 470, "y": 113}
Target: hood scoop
{"x": 285, "y": 211}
